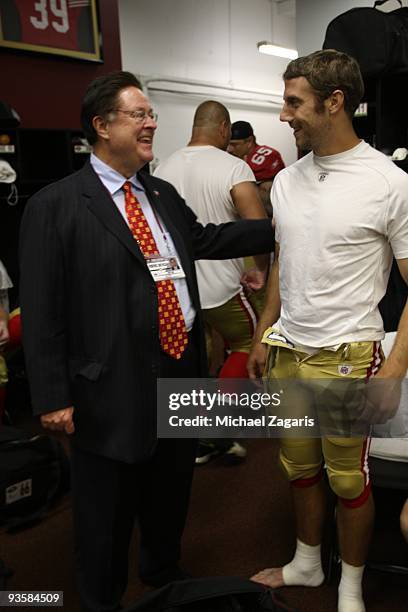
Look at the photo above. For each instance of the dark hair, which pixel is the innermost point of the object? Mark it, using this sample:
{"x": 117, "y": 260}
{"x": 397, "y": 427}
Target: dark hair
{"x": 240, "y": 130}
{"x": 100, "y": 98}
{"x": 328, "y": 70}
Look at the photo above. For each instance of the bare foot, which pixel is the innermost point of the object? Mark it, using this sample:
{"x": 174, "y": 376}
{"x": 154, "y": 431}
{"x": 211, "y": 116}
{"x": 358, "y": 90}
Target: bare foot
{"x": 271, "y": 577}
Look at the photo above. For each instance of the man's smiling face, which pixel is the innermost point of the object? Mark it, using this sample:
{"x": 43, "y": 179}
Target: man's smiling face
{"x": 306, "y": 115}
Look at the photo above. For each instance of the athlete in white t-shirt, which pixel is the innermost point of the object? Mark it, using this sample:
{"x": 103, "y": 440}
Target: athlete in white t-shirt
{"x": 219, "y": 188}
{"x": 341, "y": 212}
{"x": 339, "y": 219}
{"x": 209, "y": 179}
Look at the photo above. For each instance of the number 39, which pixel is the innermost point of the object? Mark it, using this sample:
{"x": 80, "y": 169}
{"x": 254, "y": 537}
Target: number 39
{"x": 42, "y": 22}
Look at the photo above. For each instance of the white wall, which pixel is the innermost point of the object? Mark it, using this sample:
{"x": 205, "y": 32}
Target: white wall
{"x": 313, "y": 17}
{"x": 212, "y": 41}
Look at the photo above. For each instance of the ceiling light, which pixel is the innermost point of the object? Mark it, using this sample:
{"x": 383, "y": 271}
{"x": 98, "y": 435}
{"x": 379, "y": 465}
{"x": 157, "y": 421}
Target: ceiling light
{"x": 269, "y": 49}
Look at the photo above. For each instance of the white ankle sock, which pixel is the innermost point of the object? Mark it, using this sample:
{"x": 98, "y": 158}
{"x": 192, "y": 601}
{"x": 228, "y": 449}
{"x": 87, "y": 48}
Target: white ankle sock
{"x": 350, "y": 589}
{"x": 305, "y": 569}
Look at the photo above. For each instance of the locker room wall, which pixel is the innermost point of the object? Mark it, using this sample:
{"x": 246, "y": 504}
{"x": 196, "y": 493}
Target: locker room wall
{"x": 215, "y": 41}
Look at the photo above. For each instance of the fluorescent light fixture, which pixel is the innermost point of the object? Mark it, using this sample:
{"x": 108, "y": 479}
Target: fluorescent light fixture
{"x": 269, "y": 49}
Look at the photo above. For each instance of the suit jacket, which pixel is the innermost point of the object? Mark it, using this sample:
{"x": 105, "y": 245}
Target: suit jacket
{"x": 89, "y": 305}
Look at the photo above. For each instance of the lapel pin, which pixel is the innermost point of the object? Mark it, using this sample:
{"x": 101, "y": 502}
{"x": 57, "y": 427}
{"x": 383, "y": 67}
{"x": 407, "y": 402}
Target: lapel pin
{"x": 156, "y": 193}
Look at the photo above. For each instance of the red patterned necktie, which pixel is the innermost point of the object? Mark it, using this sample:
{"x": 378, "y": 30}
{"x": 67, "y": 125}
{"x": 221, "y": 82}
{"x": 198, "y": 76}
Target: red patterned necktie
{"x": 173, "y": 331}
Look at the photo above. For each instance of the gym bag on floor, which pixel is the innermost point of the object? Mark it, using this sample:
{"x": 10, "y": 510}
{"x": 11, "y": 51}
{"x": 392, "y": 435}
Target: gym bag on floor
{"x": 377, "y": 40}
{"x": 34, "y": 471}
{"x": 220, "y": 594}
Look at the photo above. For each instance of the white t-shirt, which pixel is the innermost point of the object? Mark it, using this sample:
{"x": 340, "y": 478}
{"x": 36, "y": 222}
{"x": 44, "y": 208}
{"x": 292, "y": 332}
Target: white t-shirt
{"x": 204, "y": 177}
{"x": 338, "y": 220}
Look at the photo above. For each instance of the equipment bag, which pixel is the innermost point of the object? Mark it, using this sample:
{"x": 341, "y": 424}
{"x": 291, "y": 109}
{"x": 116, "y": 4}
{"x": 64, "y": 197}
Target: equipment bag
{"x": 34, "y": 471}
{"x": 377, "y": 40}
{"x": 220, "y": 594}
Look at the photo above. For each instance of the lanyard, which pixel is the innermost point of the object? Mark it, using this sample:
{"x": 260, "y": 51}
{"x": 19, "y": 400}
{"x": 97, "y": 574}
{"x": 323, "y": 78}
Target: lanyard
{"x": 163, "y": 233}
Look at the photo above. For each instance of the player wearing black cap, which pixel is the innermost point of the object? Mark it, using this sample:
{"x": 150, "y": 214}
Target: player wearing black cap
{"x": 264, "y": 161}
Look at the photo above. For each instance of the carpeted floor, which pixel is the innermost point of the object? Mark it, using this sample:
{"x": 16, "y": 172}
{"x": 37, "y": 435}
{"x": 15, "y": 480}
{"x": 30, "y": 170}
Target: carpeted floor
{"x": 240, "y": 521}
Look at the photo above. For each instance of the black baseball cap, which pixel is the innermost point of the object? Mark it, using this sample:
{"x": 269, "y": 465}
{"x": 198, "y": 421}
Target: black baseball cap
{"x": 241, "y": 130}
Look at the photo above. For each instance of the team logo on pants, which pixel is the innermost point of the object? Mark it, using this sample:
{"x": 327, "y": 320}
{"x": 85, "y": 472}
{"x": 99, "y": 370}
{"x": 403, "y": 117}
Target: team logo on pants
{"x": 344, "y": 370}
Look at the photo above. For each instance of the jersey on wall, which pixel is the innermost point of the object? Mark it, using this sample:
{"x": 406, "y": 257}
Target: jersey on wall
{"x": 49, "y": 24}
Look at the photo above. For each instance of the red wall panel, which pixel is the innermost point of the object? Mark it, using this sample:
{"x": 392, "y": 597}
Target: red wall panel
{"x": 46, "y": 91}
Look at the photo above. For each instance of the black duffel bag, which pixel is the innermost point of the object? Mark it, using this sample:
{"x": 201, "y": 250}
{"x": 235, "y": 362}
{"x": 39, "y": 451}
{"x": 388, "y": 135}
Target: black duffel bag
{"x": 219, "y": 594}
{"x": 377, "y": 40}
{"x": 34, "y": 472}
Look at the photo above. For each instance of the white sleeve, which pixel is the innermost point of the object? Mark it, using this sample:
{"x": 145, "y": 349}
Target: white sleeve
{"x": 275, "y": 206}
{"x": 240, "y": 173}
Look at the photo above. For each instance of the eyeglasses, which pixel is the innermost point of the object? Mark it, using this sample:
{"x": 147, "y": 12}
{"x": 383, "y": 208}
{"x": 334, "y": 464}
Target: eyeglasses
{"x": 138, "y": 115}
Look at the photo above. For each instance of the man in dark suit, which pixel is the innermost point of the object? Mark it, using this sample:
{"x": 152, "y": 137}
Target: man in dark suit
{"x": 95, "y": 340}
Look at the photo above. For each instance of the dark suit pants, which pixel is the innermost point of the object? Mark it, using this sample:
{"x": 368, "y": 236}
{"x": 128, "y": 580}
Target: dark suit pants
{"x": 109, "y": 495}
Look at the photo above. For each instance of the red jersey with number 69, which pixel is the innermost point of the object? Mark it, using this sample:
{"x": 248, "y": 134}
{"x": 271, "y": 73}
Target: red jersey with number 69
{"x": 265, "y": 162}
